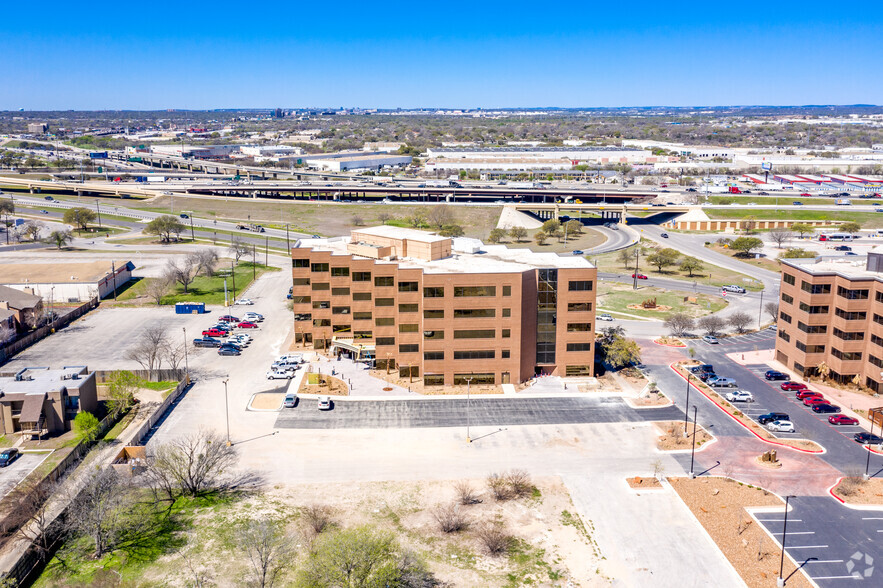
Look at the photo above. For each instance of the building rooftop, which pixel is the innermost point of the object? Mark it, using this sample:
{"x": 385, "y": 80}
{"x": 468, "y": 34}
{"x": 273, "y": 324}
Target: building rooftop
{"x": 43, "y": 273}
{"x": 16, "y": 298}
{"x": 37, "y": 380}
{"x": 853, "y": 267}
{"x": 392, "y": 232}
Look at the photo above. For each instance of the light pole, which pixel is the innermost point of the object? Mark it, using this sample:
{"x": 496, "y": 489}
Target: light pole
{"x": 867, "y": 475}
{"x": 186, "y": 360}
{"x": 227, "y": 411}
{"x": 687, "y": 404}
{"x": 780, "y": 581}
{"x": 468, "y": 406}
{"x": 693, "y": 448}
{"x": 635, "y": 277}
{"x": 760, "y": 310}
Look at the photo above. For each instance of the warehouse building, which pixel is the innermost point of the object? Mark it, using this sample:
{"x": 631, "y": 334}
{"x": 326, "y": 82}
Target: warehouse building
{"x": 444, "y": 310}
{"x": 67, "y": 282}
{"x": 356, "y": 161}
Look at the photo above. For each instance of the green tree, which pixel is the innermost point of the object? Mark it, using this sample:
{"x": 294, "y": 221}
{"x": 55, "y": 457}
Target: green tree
{"x": 60, "y": 238}
{"x": 518, "y": 234}
{"x": 797, "y": 253}
{"x": 663, "y": 258}
{"x": 850, "y": 227}
{"x": 691, "y": 265}
{"x": 802, "y": 229}
{"x": 496, "y": 235}
{"x": 550, "y": 226}
{"x": 745, "y": 245}
{"x": 573, "y": 227}
{"x": 616, "y": 350}
{"x": 79, "y": 217}
{"x": 540, "y": 238}
{"x": 121, "y": 388}
{"x": 164, "y": 227}
{"x": 86, "y": 427}
{"x": 451, "y": 231}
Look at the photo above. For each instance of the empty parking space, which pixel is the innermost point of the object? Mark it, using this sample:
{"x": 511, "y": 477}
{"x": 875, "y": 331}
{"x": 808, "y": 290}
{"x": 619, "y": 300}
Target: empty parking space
{"x": 14, "y": 473}
{"x": 478, "y": 412}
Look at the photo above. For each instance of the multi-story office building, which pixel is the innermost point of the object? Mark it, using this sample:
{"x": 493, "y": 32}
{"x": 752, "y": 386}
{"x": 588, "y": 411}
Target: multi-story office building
{"x": 831, "y": 313}
{"x": 444, "y": 309}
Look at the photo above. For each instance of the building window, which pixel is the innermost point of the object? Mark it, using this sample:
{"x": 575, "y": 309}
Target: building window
{"x": 815, "y": 288}
{"x": 789, "y": 279}
{"x": 505, "y": 333}
{"x": 784, "y": 336}
{"x": 433, "y": 355}
{"x": 303, "y": 316}
{"x": 851, "y": 316}
{"x": 504, "y": 354}
{"x": 877, "y": 340}
{"x": 475, "y": 313}
{"x": 578, "y": 370}
{"x": 318, "y": 267}
{"x": 849, "y": 335}
{"x": 801, "y": 346}
{"x": 340, "y": 291}
{"x": 300, "y": 263}
{"x": 340, "y": 272}
{"x": 475, "y": 334}
{"x": 409, "y": 328}
{"x": 507, "y": 290}
{"x": 408, "y": 308}
{"x": 812, "y": 329}
{"x": 798, "y": 367}
{"x": 878, "y": 296}
{"x": 507, "y": 312}
{"x": 361, "y": 276}
{"x": 361, "y": 316}
{"x": 384, "y": 281}
{"x": 846, "y": 355}
{"x": 433, "y": 379}
{"x": 300, "y": 299}
{"x": 433, "y": 334}
{"x": 787, "y": 299}
{"x": 342, "y": 329}
{"x": 321, "y": 322}
{"x": 361, "y": 295}
{"x": 385, "y": 321}
{"x": 409, "y": 348}
{"x": 474, "y": 379}
{"x": 547, "y": 315}
{"x": 433, "y": 292}
{"x": 384, "y": 302}
{"x": 385, "y": 341}
{"x": 434, "y": 314}
{"x": 579, "y": 306}
{"x": 817, "y": 309}
{"x": 321, "y": 286}
{"x": 321, "y": 304}
{"x": 580, "y": 286}
{"x": 578, "y": 327}
{"x": 363, "y": 335}
{"x": 579, "y": 346}
{"x": 409, "y": 371}
{"x": 785, "y": 317}
{"x": 477, "y": 354}
{"x": 340, "y": 310}
{"x": 301, "y": 281}
{"x": 852, "y": 294}
{"x": 460, "y": 291}
{"x": 875, "y": 360}
{"x": 409, "y": 287}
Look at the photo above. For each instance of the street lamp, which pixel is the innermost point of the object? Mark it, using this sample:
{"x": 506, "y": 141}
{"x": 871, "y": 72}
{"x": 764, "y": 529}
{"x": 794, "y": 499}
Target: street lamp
{"x": 780, "y": 581}
{"x": 867, "y": 475}
{"x": 687, "y": 404}
{"x": 637, "y": 256}
{"x": 693, "y": 449}
{"x": 227, "y": 410}
{"x": 186, "y": 361}
{"x": 468, "y": 406}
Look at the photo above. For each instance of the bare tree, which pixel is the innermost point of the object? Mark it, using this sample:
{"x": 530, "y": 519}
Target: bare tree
{"x": 499, "y": 487}
{"x": 440, "y": 215}
{"x": 449, "y": 517}
{"x": 158, "y": 288}
{"x": 679, "y": 324}
{"x": 32, "y": 229}
{"x": 466, "y": 494}
{"x": 268, "y": 548}
{"x": 780, "y": 236}
{"x": 148, "y": 352}
{"x": 493, "y": 537}
{"x": 711, "y": 324}
{"x": 357, "y": 221}
{"x": 197, "y": 461}
{"x": 174, "y": 353}
{"x": 239, "y": 249}
{"x": 31, "y": 504}
{"x": 384, "y": 217}
{"x": 6, "y": 334}
{"x": 772, "y": 309}
{"x": 99, "y": 510}
{"x": 317, "y": 517}
{"x": 519, "y": 483}
{"x": 182, "y": 272}
{"x": 205, "y": 261}
{"x": 739, "y": 321}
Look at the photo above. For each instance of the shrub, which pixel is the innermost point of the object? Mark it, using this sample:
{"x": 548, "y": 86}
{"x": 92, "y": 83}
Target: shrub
{"x": 449, "y": 517}
{"x": 466, "y": 494}
{"x": 493, "y": 537}
{"x": 499, "y": 487}
{"x": 519, "y": 483}
{"x": 317, "y": 517}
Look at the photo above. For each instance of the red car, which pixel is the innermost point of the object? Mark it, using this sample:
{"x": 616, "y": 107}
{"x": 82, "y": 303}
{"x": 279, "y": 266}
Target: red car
{"x": 792, "y": 386}
{"x": 228, "y": 319}
{"x": 842, "y": 419}
{"x": 247, "y": 325}
{"x": 801, "y": 394}
{"x": 214, "y": 333}
{"x": 640, "y": 276}
{"x": 806, "y": 195}
{"x": 811, "y": 400}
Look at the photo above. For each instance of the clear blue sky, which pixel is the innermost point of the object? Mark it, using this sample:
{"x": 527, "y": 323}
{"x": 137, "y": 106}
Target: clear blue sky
{"x": 158, "y": 54}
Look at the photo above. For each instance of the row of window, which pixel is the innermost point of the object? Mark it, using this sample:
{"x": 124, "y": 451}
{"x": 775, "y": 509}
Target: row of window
{"x": 849, "y": 335}
{"x": 479, "y": 354}
{"x": 846, "y": 355}
{"x": 810, "y": 348}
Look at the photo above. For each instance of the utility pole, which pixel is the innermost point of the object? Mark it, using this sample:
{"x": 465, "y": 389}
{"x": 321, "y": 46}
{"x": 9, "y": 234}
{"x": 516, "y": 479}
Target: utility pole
{"x": 254, "y": 263}
{"x": 287, "y": 242}
{"x": 227, "y": 411}
{"x": 267, "y": 250}
{"x": 468, "y": 406}
{"x": 192, "y": 237}
{"x": 760, "y": 310}
{"x": 113, "y": 273}
{"x": 233, "y": 273}
{"x": 98, "y": 208}
{"x": 635, "y": 277}
{"x": 186, "y": 361}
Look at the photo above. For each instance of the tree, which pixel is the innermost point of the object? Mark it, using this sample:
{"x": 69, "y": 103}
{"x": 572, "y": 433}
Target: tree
{"x": 750, "y": 223}
{"x": 691, "y": 265}
{"x": 268, "y": 548}
{"x": 30, "y": 501}
{"x": 711, "y": 324}
{"x": 32, "y": 229}
{"x": 79, "y": 217}
{"x": 772, "y": 309}
{"x": 739, "y": 321}
{"x": 780, "y": 236}
{"x": 496, "y": 235}
{"x": 797, "y": 253}
{"x": 60, "y": 238}
{"x": 745, "y": 245}
{"x": 440, "y": 215}
{"x": 196, "y": 462}
{"x": 417, "y": 219}
{"x": 86, "y": 426}
{"x": 573, "y": 227}
{"x": 550, "y": 226}
{"x": 518, "y": 234}
{"x": 627, "y": 258}
{"x": 164, "y": 227}
{"x": 121, "y": 388}
{"x": 6, "y": 334}
{"x": 663, "y": 258}
{"x": 148, "y": 352}
{"x": 384, "y": 217}
{"x": 362, "y": 557}
{"x": 451, "y": 231}
{"x": 157, "y": 288}
{"x": 205, "y": 261}
{"x": 99, "y": 509}
{"x": 616, "y": 350}
{"x": 540, "y": 238}
{"x": 850, "y": 227}
{"x": 182, "y": 272}
{"x": 239, "y": 249}
{"x": 802, "y": 229}
{"x": 357, "y": 221}
{"x": 679, "y": 323}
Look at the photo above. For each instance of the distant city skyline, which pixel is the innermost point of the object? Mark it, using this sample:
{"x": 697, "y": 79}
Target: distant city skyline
{"x": 457, "y": 55}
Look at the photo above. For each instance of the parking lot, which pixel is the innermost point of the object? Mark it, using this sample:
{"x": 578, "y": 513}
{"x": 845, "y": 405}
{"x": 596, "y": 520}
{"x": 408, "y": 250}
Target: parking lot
{"x": 14, "y": 473}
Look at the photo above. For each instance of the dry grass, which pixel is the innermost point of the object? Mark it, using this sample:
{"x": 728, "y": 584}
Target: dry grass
{"x": 673, "y": 438}
{"x": 854, "y": 489}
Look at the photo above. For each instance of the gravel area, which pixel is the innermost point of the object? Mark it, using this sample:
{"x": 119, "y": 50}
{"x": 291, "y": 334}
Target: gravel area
{"x": 672, "y": 436}
{"x": 856, "y": 490}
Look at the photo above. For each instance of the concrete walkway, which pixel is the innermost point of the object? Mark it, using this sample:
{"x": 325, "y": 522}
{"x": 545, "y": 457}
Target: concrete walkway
{"x": 356, "y": 375}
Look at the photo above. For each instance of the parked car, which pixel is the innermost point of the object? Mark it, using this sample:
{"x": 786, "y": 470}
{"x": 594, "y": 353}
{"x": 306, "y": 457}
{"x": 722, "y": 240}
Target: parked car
{"x": 279, "y": 375}
{"x": 739, "y": 396}
{"x": 718, "y": 382}
{"x": 781, "y": 426}
{"x": 224, "y": 350}
{"x": 824, "y": 408}
{"x": 790, "y": 386}
{"x": 811, "y": 400}
{"x": 733, "y": 288}
{"x": 285, "y": 365}
{"x": 604, "y": 317}
{"x": 842, "y": 419}
{"x": 241, "y": 342}
{"x": 244, "y": 302}
{"x": 206, "y": 342}
{"x": 291, "y": 357}
{"x": 228, "y": 319}
{"x": 290, "y": 401}
{"x": 324, "y": 403}
{"x": 664, "y": 235}
{"x": 214, "y": 333}
{"x": 843, "y": 248}
{"x": 867, "y": 439}
{"x": 802, "y": 394}
{"x": 705, "y": 367}
{"x": 247, "y": 325}
{"x": 773, "y": 416}
{"x": 774, "y": 375}
{"x": 705, "y": 376}
{"x": 7, "y": 456}
{"x": 639, "y": 276}
{"x": 711, "y": 340}
{"x": 578, "y": 252}
{"x": 253, "y": 317}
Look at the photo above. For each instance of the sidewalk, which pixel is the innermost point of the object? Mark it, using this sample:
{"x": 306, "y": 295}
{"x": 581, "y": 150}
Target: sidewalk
{"x": 356, "y": 375}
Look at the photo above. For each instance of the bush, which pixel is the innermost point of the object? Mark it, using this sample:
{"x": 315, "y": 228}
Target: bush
{"x": 466, "y": 494}
{"x": 493, "y": 537}
{"x": 86, "y": 427}
{"x": 317, "y": 517}
{"x": 519, "y": 483}
{"x": 449, "y": 517}
{"x": 499, "y": 487}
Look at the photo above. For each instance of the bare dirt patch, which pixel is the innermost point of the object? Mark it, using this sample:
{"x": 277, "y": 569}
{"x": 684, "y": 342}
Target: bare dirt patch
{"x": 720, "y": 506}
{"x": 670, "y": 342}
{"x": 854, "y": 489}
{"x": 655, "y": 398}
{"x": 323, "y": 384}
{"x": 672, "y": 436}
{"x": 267, "y": 401}
{"x": 643, "y": 483}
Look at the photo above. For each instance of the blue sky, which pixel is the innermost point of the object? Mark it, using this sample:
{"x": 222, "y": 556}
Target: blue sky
{"x": 161, "y": 54}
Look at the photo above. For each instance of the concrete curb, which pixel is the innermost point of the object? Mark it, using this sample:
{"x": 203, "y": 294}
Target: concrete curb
{"x": 865, "y": 507}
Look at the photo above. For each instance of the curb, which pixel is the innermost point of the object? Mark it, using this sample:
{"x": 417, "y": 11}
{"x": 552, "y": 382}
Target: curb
{"x": 865, "y": 507}
{"x": 681, "y": 346}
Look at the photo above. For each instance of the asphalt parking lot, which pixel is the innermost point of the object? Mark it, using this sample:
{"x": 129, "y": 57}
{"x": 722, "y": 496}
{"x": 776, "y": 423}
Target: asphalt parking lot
{"x": 367, "y": 414}
{"x": 12, "y": 474}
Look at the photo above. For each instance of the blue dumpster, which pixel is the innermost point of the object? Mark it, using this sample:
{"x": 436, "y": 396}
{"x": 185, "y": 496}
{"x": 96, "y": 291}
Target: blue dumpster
{"x": 190, "y": 308}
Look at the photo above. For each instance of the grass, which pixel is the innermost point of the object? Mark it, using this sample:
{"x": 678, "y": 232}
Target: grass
{"x": 761, "y": 262}
{"x": 781, "y": 199}
{"x": 204, "y": 289}
{"x": 868, "y": 220}
{"x": 95, "y": 231}
{"x": 121, "y": 424}
{"x": 616, "y": 298}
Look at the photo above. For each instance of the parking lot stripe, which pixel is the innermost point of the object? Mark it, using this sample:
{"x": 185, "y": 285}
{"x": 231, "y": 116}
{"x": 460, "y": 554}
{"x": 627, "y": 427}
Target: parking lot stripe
{"x": 835, "y": 577}
{"x": 805, "y": 546}
{"x": 872, "y": 518}
{"x": 816, "y": 561}
{"x": 805, "y": 533}
{"x": 778, "y": 520}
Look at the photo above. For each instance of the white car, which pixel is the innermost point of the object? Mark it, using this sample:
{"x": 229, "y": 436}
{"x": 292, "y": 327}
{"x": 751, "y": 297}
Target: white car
{"x": 253, "y": 317}
{"x": 739, "y": 396}
{"x": 244, "y": 302}
{"x": 239, "y": 340}
{"x": 290, "y": 358}
{"x": 279, "y": 375}
{"x": 604, "y": 317}
{"x": 324, "y": 403}
{"x": 781, "y": 426}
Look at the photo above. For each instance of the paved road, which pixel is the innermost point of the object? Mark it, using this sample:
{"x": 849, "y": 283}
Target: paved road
{"x": 453, "y": 413}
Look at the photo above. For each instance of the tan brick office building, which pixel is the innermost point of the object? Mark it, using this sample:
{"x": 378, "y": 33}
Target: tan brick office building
{"x": 443, "y": 310}
{"x": 831, "y": 312}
